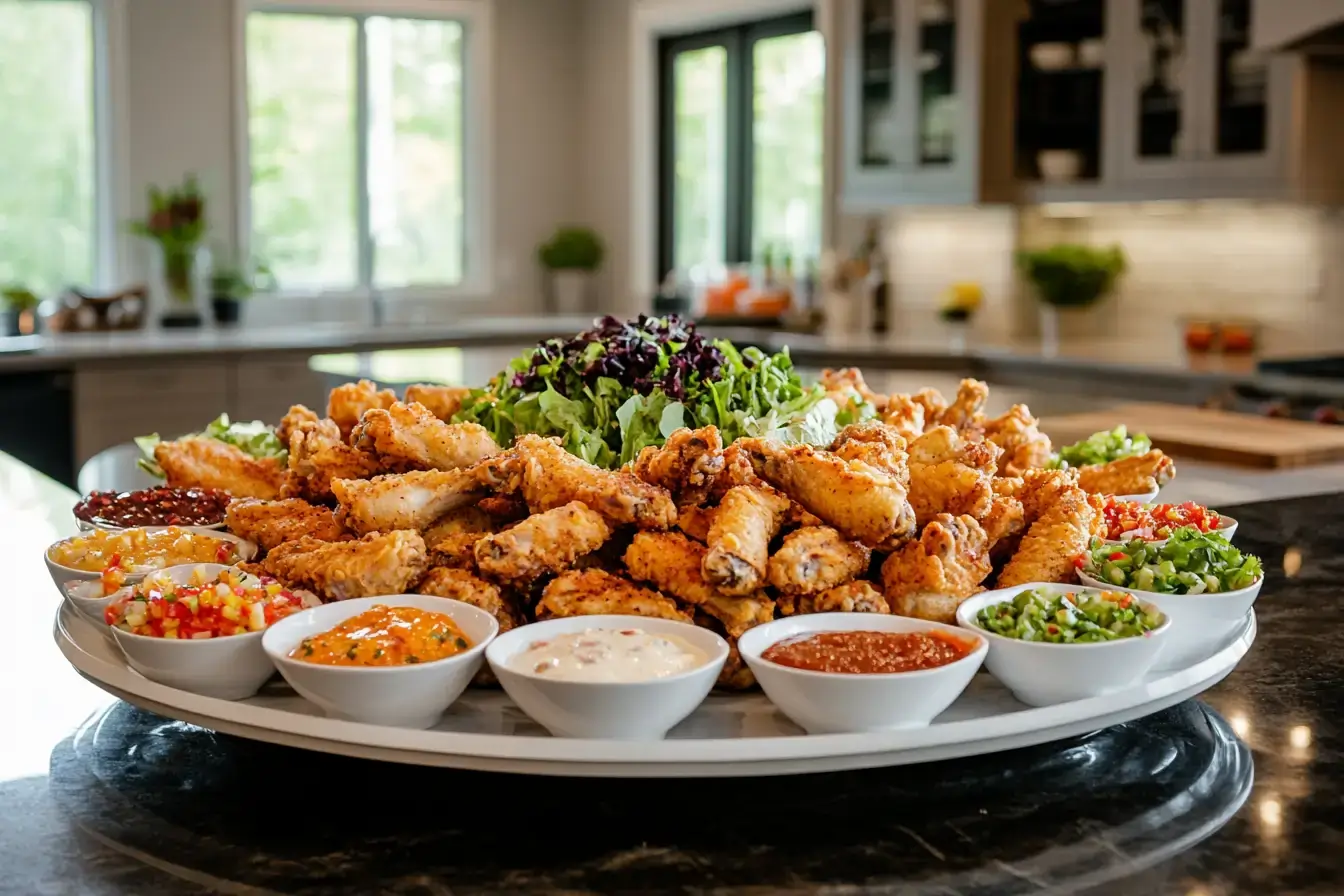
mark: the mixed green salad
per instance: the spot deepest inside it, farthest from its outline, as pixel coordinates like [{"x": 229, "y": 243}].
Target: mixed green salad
[
  {"x": 1102, "y": 447},
  {"x": 256, "y": 438},
  {"x": 1188, "y": 562},
  {"x": 1082, "y": 617},
  {"x": 622, "y": 385}
]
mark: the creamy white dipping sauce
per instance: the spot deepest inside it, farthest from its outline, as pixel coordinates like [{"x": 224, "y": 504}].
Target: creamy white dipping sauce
[{"x": 610, "y": 655}]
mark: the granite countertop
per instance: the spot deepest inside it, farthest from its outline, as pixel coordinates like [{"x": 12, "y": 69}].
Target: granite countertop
[{"x": 1238, "y": 792}]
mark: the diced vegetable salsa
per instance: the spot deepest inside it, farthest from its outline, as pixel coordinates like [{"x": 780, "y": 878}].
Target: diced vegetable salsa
[
  {"x": 1188, "y": 562},
  {"x": 1153, "y": 522},
  {"x": 1102, "y": 447},
  {"x": 232, "y": 603},
  {"x": 1080, "y": 617}
]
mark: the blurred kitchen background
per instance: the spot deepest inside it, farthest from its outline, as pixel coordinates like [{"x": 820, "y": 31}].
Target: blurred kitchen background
[{"x": 227, "y": 205}]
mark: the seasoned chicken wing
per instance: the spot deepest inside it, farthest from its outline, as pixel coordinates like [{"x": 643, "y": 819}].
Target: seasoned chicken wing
[
  {"x": 865, "y": 503},
  {"x": 875, "y": 444},
  {"x": 950, "y": 475},
  {"x": 853, "y": 597},
  {"x": 1135, "y": 475},
  {"x": 470, "y": 518},
  {"x": 455, "y": 551},
  {"x": 1024, "y": 446},
  {"x": 545, "y": 542},
  {"x": 967, "y": 409},
  {"x": 1005, "y": 519},
  {"x": 816, "y": 558},
  {"x": 737, "y": 470},
  {"x": 200, "y": 462},
  {"x": 695, "y": 521},
  {"x": 460, "y": 584},
  {"x": 847, "y": 384},
  {"x": 443, "y": 401},
  {"x": 1055, "y": 540},
  {"x": 737, "y": 614},
  {"x": 298, "y": 417},
  {"x": 552, "y": 477},
  {"x": 739, "y": 538},
  {"x": 347, "y": 403},
  {"x": 934, "y": 405},
  {"x": 905, "y": 415},
  {"x": 672, "y": 563},
  {"x": 404, "y": 500},
  {"x": 1037, "y": 489},
  {"x": 318, "y": 455},
  {"x": 381, "y": 563},
  {"x": 931, "y": 577},
  {"x": 596, "y": 592},
  {"x": 686, "y": 466},
  {"x": 409, "y": 437},
  {"x": 271, "y": 523}
]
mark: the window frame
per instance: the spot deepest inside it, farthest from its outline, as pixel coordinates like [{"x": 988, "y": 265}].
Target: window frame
[
  {"x": 738, "y": 40},
  {"x": 476, "y": 18}
]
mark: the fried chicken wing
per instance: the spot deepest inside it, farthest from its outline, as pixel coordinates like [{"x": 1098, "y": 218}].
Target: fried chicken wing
[
  {"x": 863, "y": 502},
  {"x": 454, "y": 551},
  {"x": 1037, "y": 489},
  {"x": 814, "y": 559},
  {"x": 1135, "y": 475},
  {"x": 1024, "y": 446},
  {"x": 875, "y": 444},
  {"x": 381, "y": 563},
  {"x": 931, "y": 577},
  {"x": 404, "y": 500},
  {"x": 905, "y": 415},
  {"x": 443, "y": 401},
  {"x": 552, "y": 477},
  {"x": 298, "y": 417},
  {"x": 844, "y": 385},
  {"x": 1063, "y": 530},
  {"x": 672, "y": 563},
  {"x": 470, "y": 518},
  {"x": 951, "y": 475},
  {"x": 853, "y": 597},
  {"x": 272, "y": 523},
  {"x": 934, "y": 405},
  {"x": 545, "y": 542},
  {"x": 737, "y": 614},
  {"x": 739, "y": 538},
  {"x": 686, "y": 466},
  {"x": 596, "y": 592},
  {"x": 200, "y": 462},
  {"x": 409, "y": 437},
  {"x": 318, "y": 455},
  {"x": 695, "y": 521},
  {"x": 1005, "y": 519},
  {"x": 347, "y": 403},
  {"x": 967, "y": 409},
  {"x": 460, "y": 584}
]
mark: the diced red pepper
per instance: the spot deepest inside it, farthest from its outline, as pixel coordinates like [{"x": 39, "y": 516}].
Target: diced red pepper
[{"x": 1116, "y": 555}]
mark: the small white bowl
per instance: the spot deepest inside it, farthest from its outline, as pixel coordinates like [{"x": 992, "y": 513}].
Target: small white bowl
[
  {"x": 410, "y": 696},
  {"x": 1201, "y": 621},
  {"x": 1052, "y": 57},
  {"x": 636, "y": 710},
  {"x": 232, "y": 667},
  {"x": 65, "y": 575},
  {"x": 830, "y": 702},
  {"x": 1042, "y": 674},
  {"x": 88, "y": 598},
  {"x": 1227, "y": 527}
]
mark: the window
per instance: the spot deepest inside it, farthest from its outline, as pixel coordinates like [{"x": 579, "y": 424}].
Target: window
[
  {"x": 48, "y": 204},
  {"x": 740, "y": 153},
  {"x": 357, "y": 147}
]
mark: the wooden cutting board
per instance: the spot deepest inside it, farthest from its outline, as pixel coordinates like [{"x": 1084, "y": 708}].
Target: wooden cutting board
[{"x": 1222, "y": 436}]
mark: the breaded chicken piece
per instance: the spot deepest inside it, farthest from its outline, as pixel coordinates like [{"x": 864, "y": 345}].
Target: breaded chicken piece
[
  {"x": 297, "y": 417},
  {"x": 934, "y": 405},
  {"x": 404, "y": 500},
  {"x": 596, "y": 592},
  {"x": 455, "y": 551},
  {"x": 409, "y": 437},
  {"x": 1135, "y": 475},
  {"x": 949, "y": 474},
  {"x": 1059, "y": 535},
  {"x": 847, "y": 384},
  {"x": 1005, "y": 519},
  {"x": 504, "y": 509},
  {"x": 317, "y": 455},
  {"x": 695, "y": 521},
  {"x": 1024, "y": 446},
  {"x": 470, "y": 518},
  {"x": 931, "y": 577},
  {"x": 1038, "y": 489},
  {"x": 347, "y": 403},
  {"x": 545, "y": 542},
  {"x": 865, "y": 503},
  {"x": 443, "y": 401},
  {"x": 737, "y": 470},
  {"x": 875, "y": 444},
  {"x": 271, "y": 523},
  {"x": 672, "y": 563},
  {"x": 381, "y": 563},
  {"x": 967, "y": 409},
  {"x": 200, "y": 462},
  {"x": 739, "y": 538},
  {"x": 460, "y": 584},
  {"x": 686, "y": 466},
  {"x": 816, "y": 558},
  {"x": 905, "y": 415},
  {"x": 737, "y": 614},
  {"x": 736, "y": 674},
  {"x": 552, "y": 477},
  {"x": 853, "y": 597}
]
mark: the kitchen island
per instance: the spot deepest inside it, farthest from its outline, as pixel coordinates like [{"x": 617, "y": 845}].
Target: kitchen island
[{"x": 1236, "y": 792}]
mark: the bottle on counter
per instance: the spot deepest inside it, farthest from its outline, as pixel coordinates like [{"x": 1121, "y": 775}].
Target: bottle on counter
[{"x": 875, "y": 265}]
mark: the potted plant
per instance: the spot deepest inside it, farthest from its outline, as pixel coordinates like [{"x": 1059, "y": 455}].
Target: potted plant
[
  {"x": 176, "y": 225},
  {"x": 959, "y": 303},
  {"x": 231, "y": 285},
  {"x": 1069, "y": 276},
  {"x": 20, "y": 305},
  {"x": 570, "y": 258}
]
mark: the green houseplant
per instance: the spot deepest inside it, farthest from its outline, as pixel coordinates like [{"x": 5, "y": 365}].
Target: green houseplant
[
  {"x": 18, "y": 302},
  {"x": 232, "y": 284},
  {"x": 176, "y": 224},
  {"x": 570, "y": 257},
  {"x": 1069, "y": 276}
]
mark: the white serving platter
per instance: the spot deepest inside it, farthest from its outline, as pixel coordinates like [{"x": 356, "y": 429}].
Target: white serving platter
[{"x": 728, "y": 736}]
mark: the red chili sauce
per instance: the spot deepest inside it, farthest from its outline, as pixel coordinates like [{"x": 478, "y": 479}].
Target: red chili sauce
[
  {"x": 869, "y": 653},
  {"x": 159, "y": 506}
]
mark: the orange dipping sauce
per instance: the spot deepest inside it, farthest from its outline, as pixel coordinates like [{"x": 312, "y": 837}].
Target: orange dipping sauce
[
  {"x": 385, "y": 636},
  {"x": 869, "y": 653}
]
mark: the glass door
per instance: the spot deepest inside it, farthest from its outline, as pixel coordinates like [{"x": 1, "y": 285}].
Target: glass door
[
  {"x": 1161, "y": 109},
  {"x": 878, "y": 125},
  {"x": 937, "y": 63},
  {"x": 1241, "y": 85}
]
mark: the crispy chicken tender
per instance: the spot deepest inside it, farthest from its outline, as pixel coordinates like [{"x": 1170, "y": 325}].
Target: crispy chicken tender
[
  {"x": 272, "y": 523},
  {"x": 381, "y": 563},
  {"x": 409, "y": 437},
  {"x": 200, "y": 462},
  {"x": 298, "y": 417},
  {"x": 1128, "y": 475},
  {"x": 844, "y": 385},
  {"x": 347, "y": 403},
  {"x": 1062, "y": 532},
  {"x": 404, "y": 500},
  {"x": 454, "y": 551},
  {"x": 951, "y": 475},
  {"x": 967, "y": 409},
  {"x": 816, "y": 558},
  {"x": 865, "y": 503},
  {"x": 875, "y": 444},
  {"x": 672, "y": 563},
  {"x": 552, "y": 477},
  {"x": 853, "y": 597},
  {"x": 686, "y": 465},
  {"x": 737, "y": 614},
  {"x": 443, "y": 401},
  {"x": 470, "y": 518},
  {"x": 463, "y": 585},
  {"x": 1024, "y": 446},
  {"x": 931, "y": 577},
  {"x": 317, "y": 455},
  {"x": 544, "y": 542},
  {"x": 596, "y": 592},
  {"x": 739, "y": 538},
  {"x": 905, "y": 415}
]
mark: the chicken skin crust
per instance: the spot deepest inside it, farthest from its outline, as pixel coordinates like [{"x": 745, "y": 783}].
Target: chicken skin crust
[
  {"x": 318, "y": 455},
  {"x": 949, "y": 474},
  {"x": 672, "y": 563},
  {"x": 404, "y": 500},
  {"x": 272, "y": 523},
  {"x": 410, "y": 437},
  {"x": 200, "y": 462},
  {"x": 687, "y": 465},
  {"x": 443, "y": 401},
  {"x": 1059, "y": 535},
  {"x": 596, "y": 592},
  {"x": 347, "y": 403},
  {"x": 381, "y": 563},
  {"x": 552, "y": 477},
  {"x": 1024, "y": 446},
  {"x": 814, "y": 559},
  {"x": 931, "y": 577},
  {"x": 544, "y": 542},
  {"x": 1135, "y": 475},
  {"x": 460, "y": 584},
  {"x": 739, "y": 538},
  {"x": 853, "y": 597}
]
